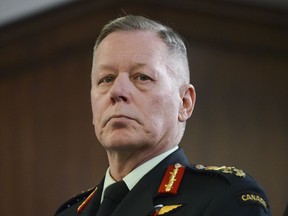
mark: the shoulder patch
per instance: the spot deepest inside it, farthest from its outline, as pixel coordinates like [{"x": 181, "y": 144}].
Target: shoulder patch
[
  {"x": 252, "y": 198},
  {"x": 77, "y": 198},
  {"x": 223, "y": 169}
]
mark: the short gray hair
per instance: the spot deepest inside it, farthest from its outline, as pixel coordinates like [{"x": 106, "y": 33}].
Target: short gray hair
[{"x": 171, "y": 38}]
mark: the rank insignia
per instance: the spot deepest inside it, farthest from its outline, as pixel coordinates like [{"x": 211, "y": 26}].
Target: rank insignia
[
  {"x": 161, "y": 210},
  {"x": 172, "y": 179},
  {"x": 224, "y": 169}
]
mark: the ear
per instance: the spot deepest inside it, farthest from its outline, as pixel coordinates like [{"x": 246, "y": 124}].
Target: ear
[{"x": 188, "y": 99}]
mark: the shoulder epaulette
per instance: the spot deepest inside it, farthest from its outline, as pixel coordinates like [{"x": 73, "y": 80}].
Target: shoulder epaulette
[
  {"x": 77, "y": 198},
  {"x": 222, "y": 169},
  {"x": 231, "y": 174}
]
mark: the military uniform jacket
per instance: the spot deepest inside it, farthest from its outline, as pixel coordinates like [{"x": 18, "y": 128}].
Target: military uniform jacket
[{"x": 200, "y": 191}]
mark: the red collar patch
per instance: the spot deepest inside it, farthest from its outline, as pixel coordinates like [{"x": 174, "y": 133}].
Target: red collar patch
[{"x": 172, "y": 179}]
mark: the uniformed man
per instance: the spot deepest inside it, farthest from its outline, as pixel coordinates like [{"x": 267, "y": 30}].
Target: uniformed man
[{"x": 141, "y": 98}]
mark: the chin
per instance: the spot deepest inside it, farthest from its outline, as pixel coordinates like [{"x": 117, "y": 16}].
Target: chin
[
  {"x": 120, "y": 146},
  {"x": 123, "y": 144},
  {"x": 123, "y": 140}
]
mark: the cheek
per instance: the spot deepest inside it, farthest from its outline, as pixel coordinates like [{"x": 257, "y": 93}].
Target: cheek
[
  {"x": 164, "y": 109},
  {"x": 96, "y": 109}
]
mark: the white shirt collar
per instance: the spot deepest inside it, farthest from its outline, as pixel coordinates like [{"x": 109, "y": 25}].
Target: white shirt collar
[{"x": 135, "y": 175}]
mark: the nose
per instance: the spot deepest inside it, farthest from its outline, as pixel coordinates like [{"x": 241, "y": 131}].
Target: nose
[{"x": 120, "y": 90}]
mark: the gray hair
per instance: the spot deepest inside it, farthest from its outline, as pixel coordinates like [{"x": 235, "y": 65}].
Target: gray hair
[{"x": 172, "y": 39}]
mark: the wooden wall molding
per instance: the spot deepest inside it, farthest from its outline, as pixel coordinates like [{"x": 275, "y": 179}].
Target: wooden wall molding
[{"x": 74, "y": 27}]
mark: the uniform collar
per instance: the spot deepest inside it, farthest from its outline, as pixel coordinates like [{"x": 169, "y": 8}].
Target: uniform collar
[{"x": 135, "y": 175}]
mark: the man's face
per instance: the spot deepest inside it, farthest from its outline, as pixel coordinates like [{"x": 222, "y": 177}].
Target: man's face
[{"x": 135, "y": 102}]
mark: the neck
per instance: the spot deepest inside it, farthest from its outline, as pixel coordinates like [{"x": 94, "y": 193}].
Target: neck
[{"x": 123, "y": 162}]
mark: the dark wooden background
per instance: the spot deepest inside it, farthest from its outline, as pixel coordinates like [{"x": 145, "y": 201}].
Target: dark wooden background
[{"x": 239, "y": 66}]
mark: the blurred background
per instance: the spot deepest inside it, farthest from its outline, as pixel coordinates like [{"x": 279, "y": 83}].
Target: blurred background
[{"x": 238, "y": 54}]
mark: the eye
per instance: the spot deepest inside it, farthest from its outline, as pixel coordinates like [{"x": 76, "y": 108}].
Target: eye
[
  {"x": 106, "y": 79},
  {"x": 143, "y": 77}
]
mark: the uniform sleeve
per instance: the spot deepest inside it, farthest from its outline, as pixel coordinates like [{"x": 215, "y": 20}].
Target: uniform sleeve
[{"x": 242, "y": 199}]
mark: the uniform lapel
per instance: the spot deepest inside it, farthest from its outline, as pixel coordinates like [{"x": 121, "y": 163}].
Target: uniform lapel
[{"x": 93, "y": 205}]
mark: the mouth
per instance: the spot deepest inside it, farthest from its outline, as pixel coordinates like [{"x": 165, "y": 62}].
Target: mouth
[{"x": 118, "y": 117}]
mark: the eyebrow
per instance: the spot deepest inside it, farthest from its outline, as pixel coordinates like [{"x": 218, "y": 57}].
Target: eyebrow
[
  {"x": 105, "y": 67},
  {"x": 111, "y": 68}
]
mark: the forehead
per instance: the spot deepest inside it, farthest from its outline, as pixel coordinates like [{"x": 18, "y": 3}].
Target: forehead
[{"x": 131, "y": 44}]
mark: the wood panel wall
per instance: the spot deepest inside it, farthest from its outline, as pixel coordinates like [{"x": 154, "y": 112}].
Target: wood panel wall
[{"x": 238, "y": 59}]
